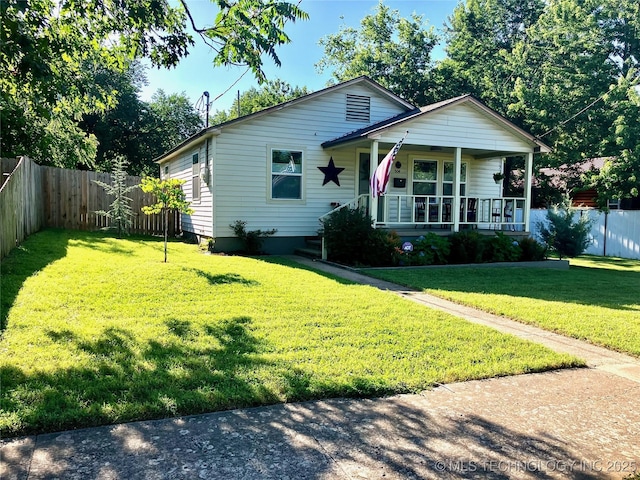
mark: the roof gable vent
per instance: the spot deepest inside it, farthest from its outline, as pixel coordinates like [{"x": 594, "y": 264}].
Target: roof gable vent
[{"x": 358, "y": 108}]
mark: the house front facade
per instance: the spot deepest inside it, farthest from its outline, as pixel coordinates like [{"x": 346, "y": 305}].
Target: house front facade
[{"x": 288, "y": 166}]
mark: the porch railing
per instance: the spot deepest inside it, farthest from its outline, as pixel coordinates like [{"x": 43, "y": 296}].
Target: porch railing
[{"x": 395, "y": 210}]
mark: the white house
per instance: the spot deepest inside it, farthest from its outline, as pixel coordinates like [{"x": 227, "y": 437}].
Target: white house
[{"x": 289, "y": 165}]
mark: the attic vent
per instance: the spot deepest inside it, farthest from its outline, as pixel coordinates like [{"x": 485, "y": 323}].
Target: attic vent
[{"x": 358, "y": 108}]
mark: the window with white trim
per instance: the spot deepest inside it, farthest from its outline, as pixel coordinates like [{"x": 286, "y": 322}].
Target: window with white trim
[
  {"x": 425, "y": 177},
  {"x": 195, "y": 177},
  {"x": 448, "y": 176},
  {"x": 286, "y": 174}
]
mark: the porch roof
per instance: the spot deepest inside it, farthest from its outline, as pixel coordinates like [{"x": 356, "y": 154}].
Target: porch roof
[{"x": 378, "y": 128}]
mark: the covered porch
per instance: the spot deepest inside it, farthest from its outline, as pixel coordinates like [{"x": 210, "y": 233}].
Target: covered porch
[
  {"x": 449, "y": 174},
  {"x": 403, "y": 212}
]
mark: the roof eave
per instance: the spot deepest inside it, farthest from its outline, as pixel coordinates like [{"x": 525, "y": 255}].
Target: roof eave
[{"x": 187, "y": 144}]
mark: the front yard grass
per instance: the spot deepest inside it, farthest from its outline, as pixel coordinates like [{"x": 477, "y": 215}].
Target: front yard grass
[
  {"x": 99, "y": 330},
  {"x": 597, "y": 299}
]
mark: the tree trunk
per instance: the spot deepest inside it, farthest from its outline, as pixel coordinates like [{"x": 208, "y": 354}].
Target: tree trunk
[{"x": 165, "y": 221}]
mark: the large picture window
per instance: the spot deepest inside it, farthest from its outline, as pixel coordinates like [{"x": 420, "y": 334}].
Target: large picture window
[{"x": 286, "y": 174}]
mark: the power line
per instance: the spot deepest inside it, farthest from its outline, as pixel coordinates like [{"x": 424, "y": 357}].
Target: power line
[{"x": 561, "y": 124}]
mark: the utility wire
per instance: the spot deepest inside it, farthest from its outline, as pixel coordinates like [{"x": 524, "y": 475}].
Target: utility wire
[
  {"x": 232, "y": 85},
  {"x": 561, "y": 124}
]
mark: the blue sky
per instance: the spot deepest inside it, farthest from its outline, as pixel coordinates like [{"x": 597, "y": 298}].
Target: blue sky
[{"x": 196, "y": 73}]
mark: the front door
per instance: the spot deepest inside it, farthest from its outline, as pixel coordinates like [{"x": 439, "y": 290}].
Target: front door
[{"x": 364, "y": 180}]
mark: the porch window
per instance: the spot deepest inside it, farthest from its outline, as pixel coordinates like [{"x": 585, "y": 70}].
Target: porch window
[
  {"x": 425, "y": 177},
  {"x": 286, "y": 174},
  {"x": 448, "y": 176},
  {"x": 195, "y": 177}
]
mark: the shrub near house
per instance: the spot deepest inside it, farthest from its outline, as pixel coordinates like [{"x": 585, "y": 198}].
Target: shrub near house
[{"x": 351, "y": 239}]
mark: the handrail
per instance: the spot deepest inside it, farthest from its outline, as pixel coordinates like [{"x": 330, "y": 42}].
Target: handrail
[
  {"x": 355, "y": 201},
  {"x": 434, "y": 210}
]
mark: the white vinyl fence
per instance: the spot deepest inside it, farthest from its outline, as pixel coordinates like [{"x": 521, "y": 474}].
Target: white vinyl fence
[{"x": 616, "y": 234}]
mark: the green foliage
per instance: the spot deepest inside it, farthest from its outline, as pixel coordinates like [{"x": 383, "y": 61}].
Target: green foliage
[
  {"x": 380, "y": 249},
  {"x": 252, "y": 239},
  {"x": 350, "y": 238},
  {"x": 138, "y": 130},
  {"x": 620, "y": 176},
  {"x": 532, "y": 250},
  {"x": 51, "y": 53},
  {"x": 120, "y": 212},
  {"x": 501, "y": 248},
  {"x": 394, "y": 51},
  {"x": 429, "y": 249},
  {"x": 253, "y": 100},
  {"x": 467, "y": 246},
  {"x": 563, "y": 233},
  {"x": 170, "y": 196}
]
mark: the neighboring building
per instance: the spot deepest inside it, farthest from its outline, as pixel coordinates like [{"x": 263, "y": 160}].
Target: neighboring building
[
  {"x": 289, "y": 165},
  {"x": 567, "y": 179}
]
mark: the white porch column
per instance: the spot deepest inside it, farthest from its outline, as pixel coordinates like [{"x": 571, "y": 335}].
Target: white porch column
[
  {"x": 528, "y": 177},
  {"x": 373, "y": 164},
  {"x": 457, "y": 170}
]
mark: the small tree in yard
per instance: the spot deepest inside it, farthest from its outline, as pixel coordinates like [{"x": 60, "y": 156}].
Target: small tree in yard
[
  {"x": 562, "y": 233},
  {"x": 170, "y": 197},
  {"x": 120, "y": 212}
]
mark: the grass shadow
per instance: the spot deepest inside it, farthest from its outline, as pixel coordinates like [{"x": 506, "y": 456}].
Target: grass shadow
[
  {"x": 286, "y": 262},
  {"x": 222, "y": 279},
  {"x": 37, "y": 251},
  {"x": 189, "y": 370},
  {"x": 580, "y": 285}
]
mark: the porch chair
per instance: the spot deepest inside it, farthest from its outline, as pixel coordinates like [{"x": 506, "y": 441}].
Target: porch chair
[
  {"x": 472, "y": 213},
  {"x": 420, "y": 210},
  {"x": 508, "y": 213}
]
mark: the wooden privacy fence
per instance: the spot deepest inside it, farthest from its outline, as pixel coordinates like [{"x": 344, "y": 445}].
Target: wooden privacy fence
[
  {"x": 34, "y": 197},
  {"x": 21, "y": 202}
]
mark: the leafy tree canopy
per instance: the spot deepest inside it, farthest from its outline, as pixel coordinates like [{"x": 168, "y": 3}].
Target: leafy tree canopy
[
  {"x": 394, "y": 51},
  {"x": 51, "y": 52},
  {"x": 272, "y": 92}
]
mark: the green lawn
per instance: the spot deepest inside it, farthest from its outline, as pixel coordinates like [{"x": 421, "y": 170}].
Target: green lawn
[
  {"x": 597, "y": 299},
  {"x": 99, "y": 330}
]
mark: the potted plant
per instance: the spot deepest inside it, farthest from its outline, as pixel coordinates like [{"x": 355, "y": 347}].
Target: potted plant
[{"x": 498, "y": 177}]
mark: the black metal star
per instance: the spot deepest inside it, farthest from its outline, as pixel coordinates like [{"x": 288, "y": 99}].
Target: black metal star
[{"x": 331, "y": 173}]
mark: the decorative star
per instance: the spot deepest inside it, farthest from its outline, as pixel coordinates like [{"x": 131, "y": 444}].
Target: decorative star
[{"x": 331, "y": 173}]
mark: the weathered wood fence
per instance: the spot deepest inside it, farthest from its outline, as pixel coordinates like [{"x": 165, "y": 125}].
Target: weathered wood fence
[
  {"x": 21, "y": 202},
  {"x": 33, "y": 197}
]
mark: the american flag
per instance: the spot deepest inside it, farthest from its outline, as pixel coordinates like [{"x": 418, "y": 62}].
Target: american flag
[
  {"x": 291, "y": 167},
  {"x": 380, "y": 179}
]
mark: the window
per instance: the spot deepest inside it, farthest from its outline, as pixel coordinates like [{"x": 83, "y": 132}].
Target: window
[
  {"x": 425, "y": 177},
  {"x": 286, "y": 174},
  {"x": 358, "y": 108},
  {"x": 447, "y": 179},
  {"x": 195, "y": 177},
  {"x": 166, "y": 169}
]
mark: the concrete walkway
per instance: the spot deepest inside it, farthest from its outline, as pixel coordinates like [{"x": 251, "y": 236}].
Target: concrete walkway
[{"x": 581, "y": 423}]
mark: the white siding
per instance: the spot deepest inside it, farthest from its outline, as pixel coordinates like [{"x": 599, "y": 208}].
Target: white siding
[
  {"x": 480, "y": 181},
  {"x": 242, "y": 166},
  {"x": 200, "y": 222},
  {"x": 459, "y": 126}
]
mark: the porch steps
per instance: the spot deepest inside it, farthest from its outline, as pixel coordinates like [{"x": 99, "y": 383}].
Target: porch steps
[{"x": 312, "y": 248}]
